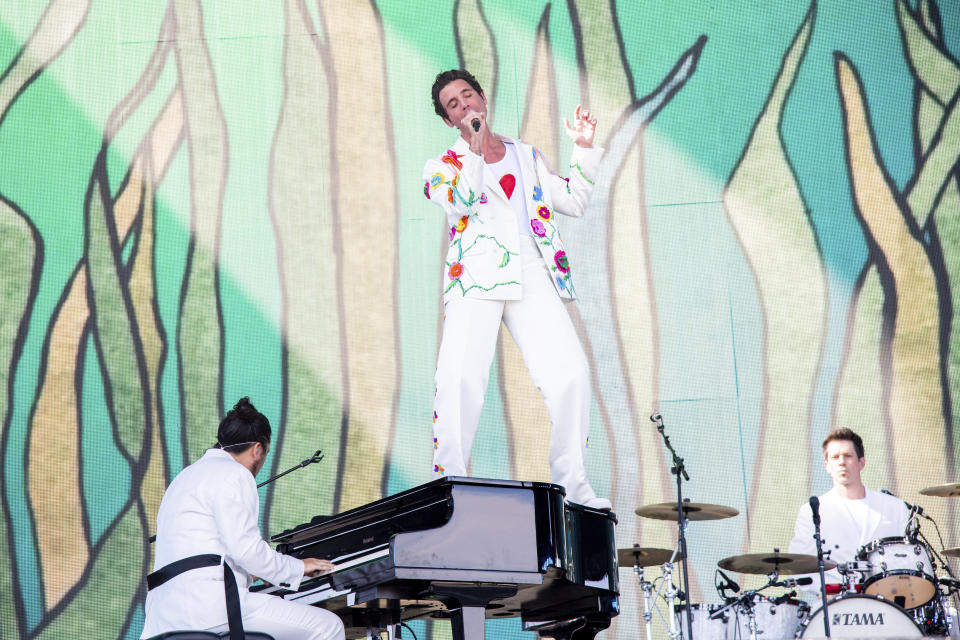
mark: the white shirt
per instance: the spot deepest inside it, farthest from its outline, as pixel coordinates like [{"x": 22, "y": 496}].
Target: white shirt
[
  {"x": 847, "y": 525},
  {"x": 212, "y": 506},
  {"x": 518, "y": 201}
]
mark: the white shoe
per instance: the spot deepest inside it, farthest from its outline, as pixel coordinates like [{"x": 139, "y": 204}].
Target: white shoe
[{"x": 601, "y": 504}]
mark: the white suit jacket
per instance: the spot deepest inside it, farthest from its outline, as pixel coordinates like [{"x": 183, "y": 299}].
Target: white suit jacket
[
  {"x": 212, "y": 506},
  {"x": 484, "y": 239},
  {"x": 842, "y": 534}
]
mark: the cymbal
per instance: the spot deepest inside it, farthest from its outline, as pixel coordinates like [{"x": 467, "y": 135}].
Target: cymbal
[
  {"x": 784, "y": 563},
  {"x": 953, "y": 552},
  {"x": 949, "y": 490},
  {"x": 691, "y": 511},
  {"x": 638, "y": 556}
]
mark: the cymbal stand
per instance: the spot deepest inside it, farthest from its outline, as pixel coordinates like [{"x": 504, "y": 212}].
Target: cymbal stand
[
  {"x": 678, "y": 469},
  {"x": 646, "y": 588},
  {"x": 671, "y": 595}
]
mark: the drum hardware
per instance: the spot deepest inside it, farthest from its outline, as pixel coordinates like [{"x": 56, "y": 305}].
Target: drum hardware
[
  {"x": 685, "y": 511},
  {"x": 639, "y": 557},
  {"x": 852, "y": 574},
  {"x": 745, "y": 605}
]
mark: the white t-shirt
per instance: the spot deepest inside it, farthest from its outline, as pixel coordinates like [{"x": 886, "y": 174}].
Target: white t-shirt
[{"x": 510, "y": 164}]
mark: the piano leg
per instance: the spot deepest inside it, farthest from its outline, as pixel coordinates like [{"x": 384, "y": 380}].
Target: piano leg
[
  {"x": 583, "y": 628},
  {"x": 393, "y": 632},
  {"x": 468, "y": 602},
  {"x": 467, "y": 623}
]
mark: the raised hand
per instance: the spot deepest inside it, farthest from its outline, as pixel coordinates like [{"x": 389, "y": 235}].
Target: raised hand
[{"x": 583, "y": 127}]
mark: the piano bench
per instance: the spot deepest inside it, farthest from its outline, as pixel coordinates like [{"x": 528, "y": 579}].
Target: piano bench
[{"x": 208, "y": 635}]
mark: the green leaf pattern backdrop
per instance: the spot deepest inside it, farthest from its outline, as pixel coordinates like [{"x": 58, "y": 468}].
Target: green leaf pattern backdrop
[{"x": 202, "y": 199}]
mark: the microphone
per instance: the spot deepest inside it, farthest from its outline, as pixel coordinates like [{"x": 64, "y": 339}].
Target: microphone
[
  {"x": 815, "y": 507},
  {"x": 733, "y": 586},
  {"x": 475, "y": 123},
  {"x": 915, "y": 508},
  {"x": 655, "y": 417},
  {"x": 794, "y": 582}
]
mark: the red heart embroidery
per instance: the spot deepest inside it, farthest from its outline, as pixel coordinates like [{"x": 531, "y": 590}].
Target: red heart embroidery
[{"x": 507, "y": 183}]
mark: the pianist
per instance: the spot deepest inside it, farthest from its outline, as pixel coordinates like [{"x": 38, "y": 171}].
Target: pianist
[
  {"x": 209, "y": 544},
  {"x": 506, "y": 262}
]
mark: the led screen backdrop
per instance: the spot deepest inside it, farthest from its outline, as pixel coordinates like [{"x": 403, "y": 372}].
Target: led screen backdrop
[{"x": 201, "y": 200}]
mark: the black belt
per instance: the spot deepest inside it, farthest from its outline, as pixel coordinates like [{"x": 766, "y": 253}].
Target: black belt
[{"x": 230, "y": 591}]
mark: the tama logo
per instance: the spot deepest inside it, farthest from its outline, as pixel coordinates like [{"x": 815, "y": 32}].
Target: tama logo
[{"x": 857, "y": 619}]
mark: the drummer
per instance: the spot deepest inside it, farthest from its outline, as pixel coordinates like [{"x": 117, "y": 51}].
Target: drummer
[{"x": 851, "y": 514}]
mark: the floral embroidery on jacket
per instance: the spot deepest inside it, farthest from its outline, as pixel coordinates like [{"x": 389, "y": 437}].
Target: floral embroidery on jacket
[
  {"x": 453, "y": 159},
  {"x": 538, "y": 229},
  {"x": 544, "y": 212},
  {"x": 462, "y": 223},
  {"x": 426, "y": 189},
  {"x": 560, "y": 258},
  {"x": 537, "y": 193},
  {"x": 456, "y": 270}
]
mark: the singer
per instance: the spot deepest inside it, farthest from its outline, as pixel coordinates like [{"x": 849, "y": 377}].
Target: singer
[
  {"x": 208, "y": 543},
  {"x": 851, "y": 514},
  {"x": 506, "y": 262}
]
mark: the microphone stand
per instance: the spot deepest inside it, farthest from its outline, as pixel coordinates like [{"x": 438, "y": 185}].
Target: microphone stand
[
  {"x": 815, "y": 508},
  {"x": 317, "y": 457},
  {"x": 678, "y": 469}
]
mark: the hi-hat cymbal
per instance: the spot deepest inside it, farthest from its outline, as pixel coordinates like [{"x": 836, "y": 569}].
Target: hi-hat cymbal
[
  {"x": 783, "y": 563},
  {"x": 953, "y": 552},
  {"x": 949, "y": 490},
  {"x": 638, "y": 556},
  {"x": 691, "y": 511}
]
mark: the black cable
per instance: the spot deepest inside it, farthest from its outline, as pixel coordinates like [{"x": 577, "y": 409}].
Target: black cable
[{"x": 404, "y": 624}]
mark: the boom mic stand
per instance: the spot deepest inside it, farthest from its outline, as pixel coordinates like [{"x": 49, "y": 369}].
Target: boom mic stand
[
  {"x": 317, "y": 457},
  {"x": 680, "y": 471},
  {"x": 815, "y": 508}
]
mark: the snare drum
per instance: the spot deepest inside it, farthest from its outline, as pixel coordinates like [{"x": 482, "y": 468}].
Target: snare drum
[
  {"x": 703, "y": 626},
  {"x": 774, "y": 621},
  {"x": 861, "y": 616},
  {"x": 900, "y": 571}
]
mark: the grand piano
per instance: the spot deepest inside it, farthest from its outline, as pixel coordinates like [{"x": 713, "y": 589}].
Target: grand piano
[{"x": 466, "y": 549}]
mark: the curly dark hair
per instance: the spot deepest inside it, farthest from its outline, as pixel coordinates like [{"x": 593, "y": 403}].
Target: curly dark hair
[{"x": 443, "y": 79}]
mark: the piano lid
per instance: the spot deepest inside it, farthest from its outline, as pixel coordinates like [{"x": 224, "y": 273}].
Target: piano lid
[{"x": 399, "y": 512}]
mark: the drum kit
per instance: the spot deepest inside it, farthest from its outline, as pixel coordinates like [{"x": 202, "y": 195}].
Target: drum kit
[{"x": 890, "y": 590}]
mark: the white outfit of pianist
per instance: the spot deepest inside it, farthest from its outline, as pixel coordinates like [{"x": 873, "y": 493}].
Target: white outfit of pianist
[{"x": 212, "y": 507}]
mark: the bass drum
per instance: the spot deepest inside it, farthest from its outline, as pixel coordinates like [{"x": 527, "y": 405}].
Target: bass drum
[{"x": 861, "y": 616}]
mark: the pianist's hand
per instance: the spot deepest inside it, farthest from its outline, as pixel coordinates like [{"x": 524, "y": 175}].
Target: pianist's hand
[{"x": 315, "y": 566}]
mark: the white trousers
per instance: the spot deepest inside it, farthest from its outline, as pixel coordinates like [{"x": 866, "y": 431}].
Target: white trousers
[
  {"x": 548, "y": 342},
  {"x": 285, "y": 620}
]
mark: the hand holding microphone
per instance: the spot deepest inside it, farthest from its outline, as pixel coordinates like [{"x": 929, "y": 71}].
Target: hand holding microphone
[{"x": 477, "y": 123}]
